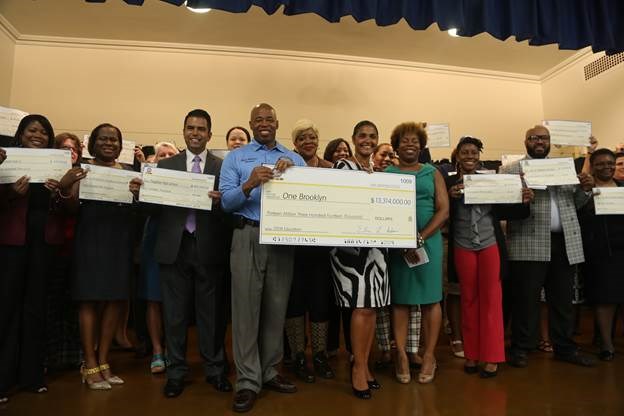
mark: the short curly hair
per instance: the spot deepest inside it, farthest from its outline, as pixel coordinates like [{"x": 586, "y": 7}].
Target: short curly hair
[{"x": 408, "y": 128}]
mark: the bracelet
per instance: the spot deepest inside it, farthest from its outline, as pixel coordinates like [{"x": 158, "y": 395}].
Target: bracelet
[
  {"x": 420, "y": 241},
  {"x": 60, "y": 193}
]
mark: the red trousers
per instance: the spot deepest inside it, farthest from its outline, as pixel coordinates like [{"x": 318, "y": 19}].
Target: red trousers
[{"x": 481, "y": 303}]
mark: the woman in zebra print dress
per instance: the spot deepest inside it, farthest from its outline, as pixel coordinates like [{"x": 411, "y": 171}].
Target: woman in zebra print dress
[{"x": 361, "y": 275}]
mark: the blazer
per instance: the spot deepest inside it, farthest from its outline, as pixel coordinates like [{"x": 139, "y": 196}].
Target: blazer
[
  {"x": 529, "y": 239},
  {"x": 14, "y": 215},
  {"x": 499, "y": 212},
  {"x": 213, "y": 230}
]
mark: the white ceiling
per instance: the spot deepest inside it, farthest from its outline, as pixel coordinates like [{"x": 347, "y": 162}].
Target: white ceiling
[{"x": 157, "y": 21}]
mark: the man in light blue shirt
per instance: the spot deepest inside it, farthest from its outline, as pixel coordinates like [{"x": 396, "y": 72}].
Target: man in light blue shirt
[{"x": 261, "y": 274}]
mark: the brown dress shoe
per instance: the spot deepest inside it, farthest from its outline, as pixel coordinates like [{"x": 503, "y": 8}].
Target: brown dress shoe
[
  {"x": 244, "y": 400},
  {"x": 280, "y": 384}
]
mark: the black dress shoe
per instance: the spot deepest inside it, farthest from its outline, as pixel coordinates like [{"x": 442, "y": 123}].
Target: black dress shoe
[
  {"x": 362, "y": 394},
  {"x": 300, "y": 368},
  {"x": 606, "y": 355},
  {"x": 576, "y": 358},
  {"x": 280, "y": 385},
  {"x": 471, "y": 369},
  {"x": 321, "y": 366},
  {"x": 173, "y": 388},
  {"x": 518, "y": 360},
  {"x": 244, "y": 400},
  {"x": 483, "y": 373},
  {"x": 220, "y": 382},
  {"x": 374, "y": 384}
]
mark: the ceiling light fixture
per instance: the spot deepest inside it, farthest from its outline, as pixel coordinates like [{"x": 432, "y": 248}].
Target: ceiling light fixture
[
  {"x": 197, "y": 10},
  {"x": 453, "y": 33}
]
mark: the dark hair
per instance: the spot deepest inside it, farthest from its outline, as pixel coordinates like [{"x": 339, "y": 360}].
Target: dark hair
[
  {"x": 619, "y": 155},
  {"x": 60, "y": 139},
  {"x": 364, "y": 123},
  {"x": 379, "y": 146},
  {"x": 227, "y": 135},
  {"x": 600, "y": 152},
  {"x": 199, "y": 113},
  {"x": 406, "y": 128},
  {"x": 464, "y": 140},
  {"x": 25, "y": 122},
  {"x": 331, "y": 147},
  {"x": 93, "y": 136}
]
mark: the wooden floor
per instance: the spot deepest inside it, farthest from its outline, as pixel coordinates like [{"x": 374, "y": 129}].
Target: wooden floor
[{"x": 546, "y": 387}]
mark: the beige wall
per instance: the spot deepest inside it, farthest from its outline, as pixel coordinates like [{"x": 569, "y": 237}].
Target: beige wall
[
  {"x": 567, "y": 95},
  {"x": 7, "y": 51},
  {"x": 148, "y": 92}
]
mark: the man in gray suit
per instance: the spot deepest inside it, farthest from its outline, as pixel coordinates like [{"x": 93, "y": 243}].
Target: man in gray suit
[
  {"x": 544, "y": 250},
  {"x": 191, "y": 249}
]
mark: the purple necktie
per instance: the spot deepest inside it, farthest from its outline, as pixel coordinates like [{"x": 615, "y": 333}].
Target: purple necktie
[{"x": 190, "y": 219}]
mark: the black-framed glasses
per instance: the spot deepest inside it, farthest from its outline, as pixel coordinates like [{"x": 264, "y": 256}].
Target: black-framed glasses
[{"x": 534, "y": 138}]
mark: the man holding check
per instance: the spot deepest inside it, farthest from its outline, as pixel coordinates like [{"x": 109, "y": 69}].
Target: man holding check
[
  {"x": 261, "y": 274},
  {"x": 544, "y": 250},
  {"x": 191, "y": 248}
]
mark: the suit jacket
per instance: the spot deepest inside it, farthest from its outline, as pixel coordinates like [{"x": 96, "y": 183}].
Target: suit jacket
[
  {"x": 499, "y": 212},
  {"x": 212, "y": 227},
  {"x": 529, "y": 239},
  {"x": 14, "y": 215}
]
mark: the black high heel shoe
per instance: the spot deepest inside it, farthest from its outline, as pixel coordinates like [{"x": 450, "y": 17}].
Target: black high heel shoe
[
  {"x": 373, "y": 384},
  {"x": 361, "y": 394}
]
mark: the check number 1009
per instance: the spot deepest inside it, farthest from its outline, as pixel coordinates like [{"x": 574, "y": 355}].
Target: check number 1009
[{"x": 384, "y": 200}]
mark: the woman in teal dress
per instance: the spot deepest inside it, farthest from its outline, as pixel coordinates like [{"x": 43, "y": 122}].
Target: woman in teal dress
[{"x": 419, "y": 285}]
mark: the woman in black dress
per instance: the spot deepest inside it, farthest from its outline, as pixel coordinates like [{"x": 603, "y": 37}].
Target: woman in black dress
[
  {"x": 603, "y": 240},
  {"x": 102, "y": 261}
]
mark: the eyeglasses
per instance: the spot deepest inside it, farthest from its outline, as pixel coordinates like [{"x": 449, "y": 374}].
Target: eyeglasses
[{"x": 535, "y": 138}]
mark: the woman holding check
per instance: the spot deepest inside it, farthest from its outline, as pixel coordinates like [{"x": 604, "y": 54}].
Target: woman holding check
[
  {"x": 31, "y": 233},
  {"x": 102, "y": 260},
  {"x": 477, "y": 254},
  {"x": 420, "y": 285}
]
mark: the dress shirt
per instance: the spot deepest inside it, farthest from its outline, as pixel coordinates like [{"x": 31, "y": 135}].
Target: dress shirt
[
  {"x": 236, "y": 170},
  {"x": 555, "y": 218},
  {"x": 189, "y": 160}
]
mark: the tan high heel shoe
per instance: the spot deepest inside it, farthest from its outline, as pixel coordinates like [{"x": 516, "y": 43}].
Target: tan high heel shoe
[
  {"x": 93, "y": 385},
  {"x": 114, "y": 380},
  {"x": 427, "y": 378},
  {"x": 403, "y": 378}
]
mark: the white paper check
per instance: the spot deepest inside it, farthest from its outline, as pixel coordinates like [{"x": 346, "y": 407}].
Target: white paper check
[
  {"x": 509, "y": 159},
  {"x": 539, "y": 173},
  {"x": 438, "y": 135},
  {"x": 177, "y": 188},
  {"x": 423, "y": 258},
  {"x": 609, "y": 201},
  {"x": 9, "y": 120},
  {"x": 127, "y": 152},
  {"x": 569, "y": 133},
  {"x": 331, "y": 207},
  {"x": 106, "y": 184},
  {"x": 39, "y": 164},
  {"x": 492, "y": 189}
]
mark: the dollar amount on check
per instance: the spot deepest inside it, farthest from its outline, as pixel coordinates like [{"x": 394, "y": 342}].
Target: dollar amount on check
[{"x": 327, "y": 207}]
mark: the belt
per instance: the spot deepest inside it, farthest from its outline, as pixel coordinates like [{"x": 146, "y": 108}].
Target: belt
[{"x": 241, "y": 221}]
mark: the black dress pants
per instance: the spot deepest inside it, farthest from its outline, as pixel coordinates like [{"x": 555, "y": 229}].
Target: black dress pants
[
  {"x": 24, "y": 272},
  {"x": 311, "y": 286},
  {"x": 189, "y": 283},
  {"x": 557, "y": 278}
]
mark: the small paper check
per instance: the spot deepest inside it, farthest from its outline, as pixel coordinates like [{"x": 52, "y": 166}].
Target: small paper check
[
  {"x": 330, "y": 207},
  {"x": 438, "y": 135},
  {"x": 609, "y": 201},
  {"x": 39, "y": 164},
  {"x": 569, "y": 133},
  {"x": 540, "y": 173},
  {"x": 177, "y": 188},
  {"x": 492, "y": 189},
  {"x": 106, "y": 184}
]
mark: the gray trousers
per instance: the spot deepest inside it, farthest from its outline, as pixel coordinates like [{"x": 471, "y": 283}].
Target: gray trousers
[{"x": 261, "y": 280}]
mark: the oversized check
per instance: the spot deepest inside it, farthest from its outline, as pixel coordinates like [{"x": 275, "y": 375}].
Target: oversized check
[
  {"x": 510, "y": 158},
  {"x": 438, "y": 135},
  {"x": 492, "y": 189},
  {"x": 330, "y": 207},
  {"x": 609, "y": 201},
  {"x": 549, "y": 172},
  {"x": 569, "y": 133},
  {"x": 127, "y": 152},
  {"x": 106, "y": 184},
  {"x": 39, "y": 164},
  {"x": 9, "y": 120},
  {"x": 177, "y": 188}
]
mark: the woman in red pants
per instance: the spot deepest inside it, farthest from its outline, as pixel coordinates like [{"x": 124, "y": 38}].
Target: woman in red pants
[{"x": 477, "y": 254}]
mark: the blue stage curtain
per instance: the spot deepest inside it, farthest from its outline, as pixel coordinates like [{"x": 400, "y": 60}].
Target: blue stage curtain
[{"x": 572, "y": 24}]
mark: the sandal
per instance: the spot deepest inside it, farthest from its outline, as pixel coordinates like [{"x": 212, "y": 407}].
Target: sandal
[
  {"x": 545, "y": 346},
  {"x": 457, "y": 348},
  {"x": 157, "y": 366}
]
